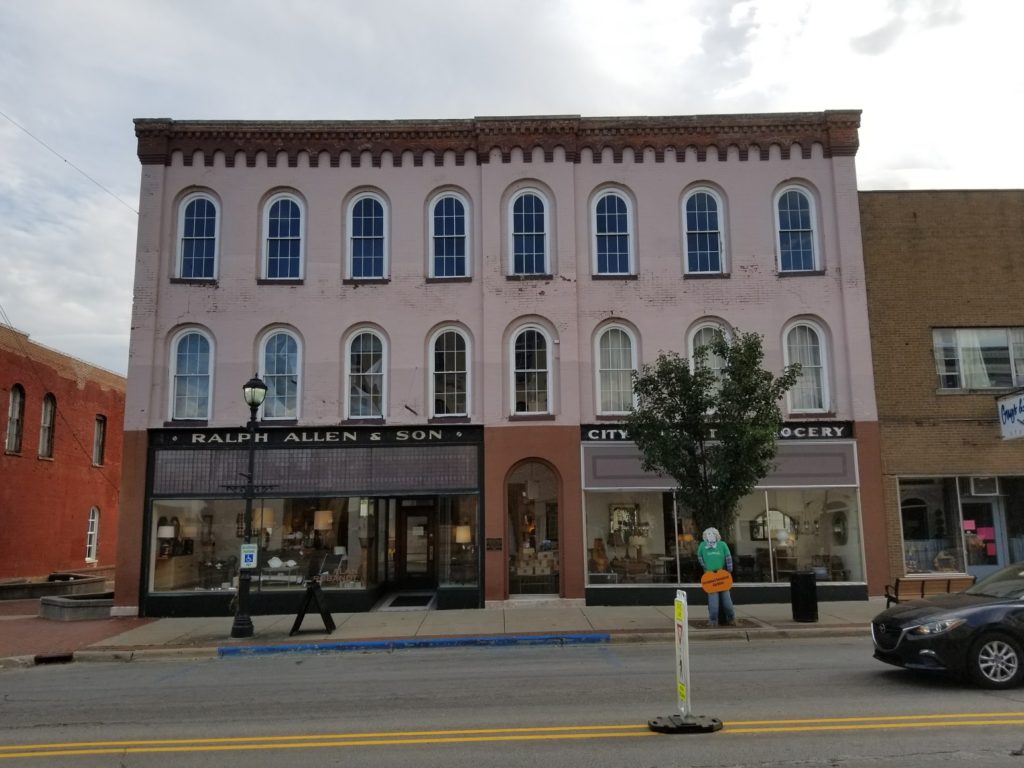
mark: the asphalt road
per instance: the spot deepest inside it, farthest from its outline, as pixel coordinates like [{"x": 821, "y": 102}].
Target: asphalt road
[{"x": 793, "y": 702}]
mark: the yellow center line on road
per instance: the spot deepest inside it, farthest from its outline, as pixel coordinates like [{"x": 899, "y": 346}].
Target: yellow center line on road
[{"x": 478, "y": 735}]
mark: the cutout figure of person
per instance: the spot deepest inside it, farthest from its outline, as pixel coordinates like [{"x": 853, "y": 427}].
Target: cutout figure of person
[{"x": 713, "y": 555}]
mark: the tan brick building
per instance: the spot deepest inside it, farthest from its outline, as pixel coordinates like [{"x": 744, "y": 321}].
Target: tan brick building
[{"x": 945, "y": 273}]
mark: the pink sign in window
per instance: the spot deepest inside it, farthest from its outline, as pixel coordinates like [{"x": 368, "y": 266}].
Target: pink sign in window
[{"x": 988, "y": 534}]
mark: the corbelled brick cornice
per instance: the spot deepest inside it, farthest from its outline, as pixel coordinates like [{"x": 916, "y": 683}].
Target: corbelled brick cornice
[{"x": 159, "y": 138}]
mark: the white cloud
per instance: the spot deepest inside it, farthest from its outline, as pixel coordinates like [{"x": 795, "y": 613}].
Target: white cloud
[{"x": 935, "y": 79}]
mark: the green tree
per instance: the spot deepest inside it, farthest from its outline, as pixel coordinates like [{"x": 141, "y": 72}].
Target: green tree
[{"x": 711, "y": 426}]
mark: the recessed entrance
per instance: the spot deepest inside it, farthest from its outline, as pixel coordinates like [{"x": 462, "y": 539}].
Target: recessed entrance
[
  {"x": 416, "y": 530},
  {"x": 533, "y": 526}
]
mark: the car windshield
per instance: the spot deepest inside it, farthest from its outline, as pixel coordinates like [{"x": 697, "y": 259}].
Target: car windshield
[{"x": 1007, "y": 583}]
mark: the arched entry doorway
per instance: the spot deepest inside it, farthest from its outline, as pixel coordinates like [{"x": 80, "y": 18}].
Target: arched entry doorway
[{"x": 533, "y": 563}]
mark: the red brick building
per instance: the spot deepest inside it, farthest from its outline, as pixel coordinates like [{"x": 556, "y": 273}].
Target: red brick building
[{"x": 60, "y": 470}]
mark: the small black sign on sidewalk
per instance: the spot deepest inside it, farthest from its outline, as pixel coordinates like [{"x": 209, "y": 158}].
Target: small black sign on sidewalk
[{"x": 313, "y": 595}]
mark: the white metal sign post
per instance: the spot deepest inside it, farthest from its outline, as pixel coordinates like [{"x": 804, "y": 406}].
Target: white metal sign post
[{"x": 685, "y": 722}]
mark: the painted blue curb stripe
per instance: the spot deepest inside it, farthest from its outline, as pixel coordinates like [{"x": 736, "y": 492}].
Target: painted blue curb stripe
[{"x": 425, "y": 642}]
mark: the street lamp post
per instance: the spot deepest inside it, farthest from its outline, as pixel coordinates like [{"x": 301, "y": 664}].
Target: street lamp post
[{"x": 253, "y": 392}]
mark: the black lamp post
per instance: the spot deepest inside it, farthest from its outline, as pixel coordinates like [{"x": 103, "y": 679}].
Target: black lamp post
[{"x": 253, "y": 392}]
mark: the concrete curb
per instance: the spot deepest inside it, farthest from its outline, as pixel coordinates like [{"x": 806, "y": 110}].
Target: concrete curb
[{"x": 15, "y": 662}]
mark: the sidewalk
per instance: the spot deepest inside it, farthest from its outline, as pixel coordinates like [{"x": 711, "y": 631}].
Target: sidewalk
[{"x": 26, "y": 639}]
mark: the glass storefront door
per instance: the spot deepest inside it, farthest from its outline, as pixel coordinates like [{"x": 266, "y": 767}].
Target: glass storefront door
[
  {"x": 984, "y": 537},
  {"x": 414, "y": 565}
]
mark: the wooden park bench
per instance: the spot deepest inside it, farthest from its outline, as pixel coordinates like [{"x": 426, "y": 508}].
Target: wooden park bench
[{"x": 916, "y": 587}]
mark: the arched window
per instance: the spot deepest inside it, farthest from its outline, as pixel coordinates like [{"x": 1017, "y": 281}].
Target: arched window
[
  {"x": 705, "y": 336},
  {"x": 366, "y": 380},
  {"x": 191, "y": 373},
  {"x": 46, "y": 426},
  {"x": 197, "y": 251},
  {"x": 92, "y": 536},
  {"x": 531, "y": 367},
  {"x": 703, "y": 241},
  {"x": 99, "y": 440},
  {"x": 281, "y": 367},
  {"x": 795, "y": 219},
  {"x": 612, "y": 235},
  {"x": 805, "y": 345},
  {"x": 368, "y": 240},
  {"x": 15, "y": 419},
  {"x": 529, "y": 234},
  {"x": 616, "y": 361},
  {"x": 449, "y": 241},
  {"x": 282, "y": 244},
  {"x": 450, "y": 374}
]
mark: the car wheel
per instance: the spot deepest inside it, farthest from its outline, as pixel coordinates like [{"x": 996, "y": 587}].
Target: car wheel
[{"x": 996, "y": 661}]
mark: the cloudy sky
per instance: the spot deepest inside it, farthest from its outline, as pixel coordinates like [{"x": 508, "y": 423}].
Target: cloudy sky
[{"x": 935, "y": 80}]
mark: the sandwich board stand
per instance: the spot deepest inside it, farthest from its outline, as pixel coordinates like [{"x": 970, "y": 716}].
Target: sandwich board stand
[
  {"x": 314, "y": 594},
  {"x": 686, "y": 721}
]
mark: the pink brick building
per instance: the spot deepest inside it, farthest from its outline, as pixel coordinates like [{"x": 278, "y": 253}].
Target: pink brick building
[{"x": 446, "y": 313}]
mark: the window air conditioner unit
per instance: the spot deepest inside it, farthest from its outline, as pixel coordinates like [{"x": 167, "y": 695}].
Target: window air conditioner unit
[{"x": 984, "y": 486}]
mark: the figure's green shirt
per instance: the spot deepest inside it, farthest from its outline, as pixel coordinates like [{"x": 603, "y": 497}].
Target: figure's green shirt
[{"x": 713, "y": 559}]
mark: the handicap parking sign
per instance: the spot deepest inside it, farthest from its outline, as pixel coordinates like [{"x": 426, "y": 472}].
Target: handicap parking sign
[{"x": 248, "y": 556}]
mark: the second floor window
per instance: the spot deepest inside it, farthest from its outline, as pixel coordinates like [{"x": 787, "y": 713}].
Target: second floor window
[
  {"x": 529, "y": 235},
  {"x": 796, "y": 232},
  {"x": 705, "y": 336},
  {"x": 92, "y": 536},
  {"x": 284, "y": 240},
  {"x": 450, "y": 379},
  {"x": 366, "y": 376},
  {"x": 15, "y": 419},
  {"x": 367, "y": 242},
  {"x": 198, "y": 247},
  {"x": 191, "y": 388},
  {"x": 703, "y": 234},
  {"x": 47, "y": 425},
  {"x": 979, "y": 358},
  {"x": 612, "y": 235},
  {"x": 804, "y": 346},
  {"x": 531, "y": 366},
  {"x": 99, "y": 441},
  {"x": 281, "y": 375},
  {"x": 615, "y": 365},
  {"x": 448, "y": 237}
]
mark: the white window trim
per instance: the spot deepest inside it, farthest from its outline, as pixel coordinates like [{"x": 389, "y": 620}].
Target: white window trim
[
  {"x": 958, "y": 331},
  {"x": 262, "y": 367},
  {"x": 826, "y": 392},
  {"x": 386, "y": 271},
  {"x": 469, "y": 371},
  {"x": 548, "y": 362},
  {"x": 178, "y": 272},
  {"x": 92, "y": 536},
  {"x": 548, "y": 221},
  {"x": 15, "y": 428},
  {"x": 48, "y": 431},
  {"x": 812, "y": 203},
  {"x": 725, "y": 330},
  {"x": 723, "y": 266},
  {"x": 173, "y": 370},
  {"x": 99, "y": 440},
  {"x": 633, "y": 361},
  {"x": 346, "y": 393},
  {"x": 599, "y": 195},
  {"x": 468, "y": 236},
  {"x": 265, "y": 270}
]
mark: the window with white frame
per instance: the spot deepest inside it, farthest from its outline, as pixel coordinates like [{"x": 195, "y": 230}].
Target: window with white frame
[
  {"x": 796, "y": 230},
  {"x": 613, "y": 235},
  {"x": 979, "y": 358},
  {"x": 366, "y": 381},
  {"x": 15, "y": 419},
  {"x": 99, "y": 440},
  {"x": 368, "y": 239},
  {"x": 531, "y": 372},
  {"x": 282, "y": 244},
  {"x": 703, "y": 224},
  {"x": 191, "y": 366},
  {"x": 92, "y": 536},
  {"x": 280, "y": 366},
  {"x": 450, "y": 374},
  {"x": 448, "y": 237},
  {"x": 529, "y": 234},
  {"x": 804, "y": 344},
  {"x": 704, "y": 336},
  {"x": 616, "y": 361},
  {"x": 197, "y": 247},
  {"x": 47, "y": 425}
]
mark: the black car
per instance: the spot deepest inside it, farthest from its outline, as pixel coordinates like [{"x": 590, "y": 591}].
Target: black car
[{"x": 978, "y": 633}]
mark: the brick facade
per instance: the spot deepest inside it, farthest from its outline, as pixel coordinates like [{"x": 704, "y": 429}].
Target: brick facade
[{"x": 45, "y": 502}]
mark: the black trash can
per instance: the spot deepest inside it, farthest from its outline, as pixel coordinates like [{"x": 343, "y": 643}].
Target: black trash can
[{"x": 803, "y": 593}]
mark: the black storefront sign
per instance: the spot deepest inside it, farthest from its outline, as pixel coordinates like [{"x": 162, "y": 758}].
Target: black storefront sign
[
  {"x": 308, "y": 437},
  {"x": 791, "y": 430}
]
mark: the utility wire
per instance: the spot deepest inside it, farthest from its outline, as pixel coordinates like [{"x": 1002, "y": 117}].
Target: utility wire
[{"x": 58, "y": 154}]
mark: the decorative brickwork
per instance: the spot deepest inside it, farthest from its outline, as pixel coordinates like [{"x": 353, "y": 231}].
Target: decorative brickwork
[{"x": 835, "y": 131}]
